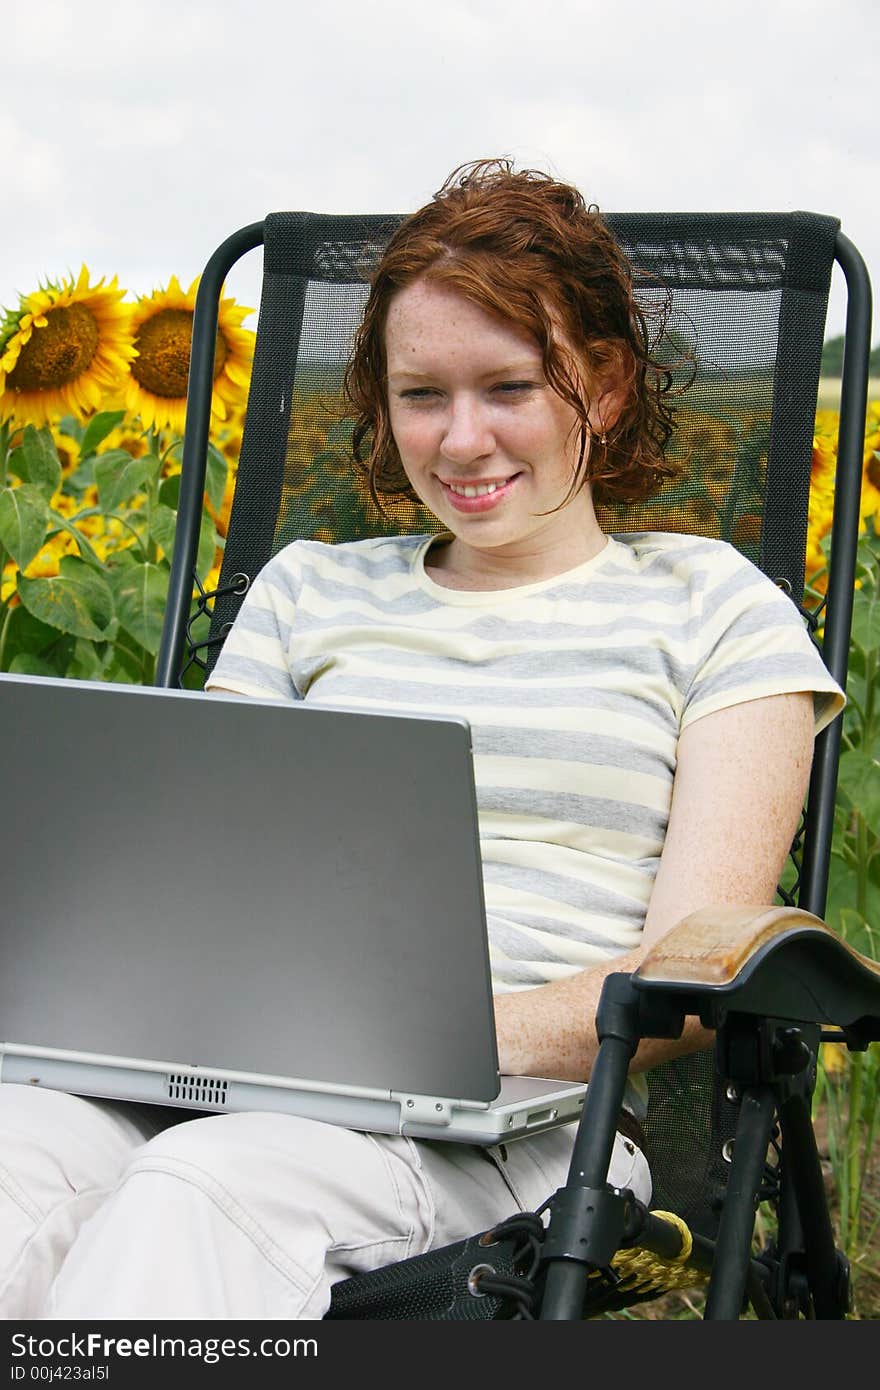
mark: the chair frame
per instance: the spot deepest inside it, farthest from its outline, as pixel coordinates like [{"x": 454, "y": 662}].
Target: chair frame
[
  {"x": 793, "y": 976},
  {"x": 769, "y": 1060},
  {"x": 841, "y": 579}
]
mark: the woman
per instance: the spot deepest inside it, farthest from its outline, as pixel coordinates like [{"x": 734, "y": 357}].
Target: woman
[{"x": 642, "y": 707}]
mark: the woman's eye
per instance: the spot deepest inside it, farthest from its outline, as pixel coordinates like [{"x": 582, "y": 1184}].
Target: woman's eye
[
  {"x": 512, "y": 388},
  {"x": 417, "y": 393}
]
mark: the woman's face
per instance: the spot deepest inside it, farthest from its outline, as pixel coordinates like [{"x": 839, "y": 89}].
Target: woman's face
[{"x": 485, "y": 441}]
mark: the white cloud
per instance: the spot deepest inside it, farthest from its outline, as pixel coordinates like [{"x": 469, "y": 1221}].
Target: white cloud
[{"x": 138, "y": 135}]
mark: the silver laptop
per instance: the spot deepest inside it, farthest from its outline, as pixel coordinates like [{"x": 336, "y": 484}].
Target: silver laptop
[{"x": 229, "y": 904}]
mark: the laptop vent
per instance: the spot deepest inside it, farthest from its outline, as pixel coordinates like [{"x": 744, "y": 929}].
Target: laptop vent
[{"x": 192, "y": 1089}]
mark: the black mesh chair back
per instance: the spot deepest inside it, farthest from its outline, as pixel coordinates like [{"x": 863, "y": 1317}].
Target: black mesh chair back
[{"x": 748, "y": 297}]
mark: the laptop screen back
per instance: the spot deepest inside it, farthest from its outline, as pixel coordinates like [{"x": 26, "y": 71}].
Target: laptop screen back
[{"x": 292, "y": 891}]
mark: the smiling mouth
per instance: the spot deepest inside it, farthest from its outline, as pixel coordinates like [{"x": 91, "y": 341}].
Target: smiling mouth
[
  {"x": 478, "y": 497},
  {"x": 478, "y": 489}
]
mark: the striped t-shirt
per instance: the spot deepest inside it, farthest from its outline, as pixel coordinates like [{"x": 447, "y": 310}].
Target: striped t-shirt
[{"x": 576, "y": 689}]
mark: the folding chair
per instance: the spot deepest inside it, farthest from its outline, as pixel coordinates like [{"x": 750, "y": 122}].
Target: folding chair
[{"x": 727, "y": 1129}]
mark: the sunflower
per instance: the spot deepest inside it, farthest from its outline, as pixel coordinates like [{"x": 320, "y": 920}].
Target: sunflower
[
  {"x": 871, "y": 470},
  {"x": 821, "y": 501},
  {"x": 63, "y": 349},
  {"x": 67, "y": 446},
  {"x": 162, "y": 328}
]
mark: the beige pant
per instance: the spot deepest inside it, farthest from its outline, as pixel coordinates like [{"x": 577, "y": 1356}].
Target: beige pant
[{"x": 104, "y": 1213}]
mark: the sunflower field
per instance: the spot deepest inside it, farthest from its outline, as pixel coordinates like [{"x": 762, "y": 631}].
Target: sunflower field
[{"x": 92, "y": 408}]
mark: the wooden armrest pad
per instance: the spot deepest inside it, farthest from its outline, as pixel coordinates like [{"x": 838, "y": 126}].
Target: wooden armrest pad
[{"x": 711, "y": 947}]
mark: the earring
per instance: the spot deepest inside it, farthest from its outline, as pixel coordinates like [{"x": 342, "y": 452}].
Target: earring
[{"x": 603, "y": 439}]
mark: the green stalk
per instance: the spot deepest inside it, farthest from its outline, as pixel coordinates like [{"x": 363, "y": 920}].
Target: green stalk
[
  {"x": 832, "y": 1101},
  {"x": 5, "y": 427},
  {"x": 116, "y": 516},
  {"x": 863, "y": 854},
  {"x": 847, "y": 855},
  {"x": 853, "y": 1148},
  {"x": 857, "y": 1065},
  {"x": 871, "y": 1108},
  {"x": 154, "y": 444},
  {"x": 5, "y": 432},
  {"x": 5, "y": 436},
  {"x": 872, "y": 663},
  {"x": 5, "y": 628}
]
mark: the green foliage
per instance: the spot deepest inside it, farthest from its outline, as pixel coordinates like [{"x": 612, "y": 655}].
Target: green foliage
[
  {"x": 854, "y": 896},
  {"x": 850, "y": 1096},
  {"x": 103, "y": 525}
]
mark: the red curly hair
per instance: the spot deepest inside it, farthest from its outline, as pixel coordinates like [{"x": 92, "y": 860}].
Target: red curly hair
[{"x": 529, "y": 249}]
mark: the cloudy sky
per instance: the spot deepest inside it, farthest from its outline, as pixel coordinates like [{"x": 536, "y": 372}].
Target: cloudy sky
[{"x": 135, "y": 136}]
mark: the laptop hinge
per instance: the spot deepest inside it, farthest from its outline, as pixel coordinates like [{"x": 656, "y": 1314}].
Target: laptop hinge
[{"x": 423, "y": 1110}]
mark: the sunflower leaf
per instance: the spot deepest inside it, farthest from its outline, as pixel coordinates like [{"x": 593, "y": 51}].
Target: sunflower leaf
[
  {"x": 129, "y": 665},
  {"x": 119, "y": 476},
  {"x": 26, "y": 664},
  {"x": 215, "y": 477},
  {"x": 85, "y": 664},
  {"x": 97, "y": 430},
  {"x": 207, "y": 546},
  {"x": 24, "y": 521},
  {"x": 38, "y": 461},
  {"x": 26, "y": 634},
  {"x": 169, "y": 491},
  {"x": 77, "y": 600},
  {"x": 859, "y": 782},
  {"x": 27, "y": 638},
  {"x": 86, "y": 549},
  {"x": 140, "y": 592},
  {"x": 163, "y": 524}
]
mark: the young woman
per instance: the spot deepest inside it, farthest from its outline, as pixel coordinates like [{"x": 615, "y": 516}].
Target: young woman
[{"x": 643, "y": 709}]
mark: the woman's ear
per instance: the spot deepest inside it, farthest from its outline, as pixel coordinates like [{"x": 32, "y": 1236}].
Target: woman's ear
[
  {"x": 607, "y": 408},
  {"x": 612, "y": 382}
]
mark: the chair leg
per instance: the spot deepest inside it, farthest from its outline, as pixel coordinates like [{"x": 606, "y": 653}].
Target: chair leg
[
  {"x": 733, "y": 1246},
  {"x": 587, "y": 1217},
  {"x": 825, "y": 1267}
]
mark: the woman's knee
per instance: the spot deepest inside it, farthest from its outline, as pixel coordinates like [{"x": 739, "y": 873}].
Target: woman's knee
[
  {"x": 276, "y": 1167},
  {"x": 60, "y": 1156},
  {"x": 50, "y": 1136},
  {"x": 224, "y": 1146}
]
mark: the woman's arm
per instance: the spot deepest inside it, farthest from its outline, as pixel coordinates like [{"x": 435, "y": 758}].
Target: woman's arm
[{"x": 739, "y": 789}]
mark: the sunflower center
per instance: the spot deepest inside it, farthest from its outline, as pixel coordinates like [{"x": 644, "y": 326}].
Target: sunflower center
[
  {"x": 58, "y": 353},
  {"x": 163, "y": 342},
  {"x": 873, "y": 471}
]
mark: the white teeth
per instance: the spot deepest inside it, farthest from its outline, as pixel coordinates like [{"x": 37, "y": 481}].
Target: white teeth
[{"x": 479, "y": 491}]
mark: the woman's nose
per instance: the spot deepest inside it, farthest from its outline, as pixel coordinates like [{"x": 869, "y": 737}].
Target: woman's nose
[{"x": 467, "y": 435}]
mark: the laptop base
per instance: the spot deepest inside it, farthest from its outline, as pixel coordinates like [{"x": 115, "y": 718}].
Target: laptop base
[{"x": 525, "y": 1105}]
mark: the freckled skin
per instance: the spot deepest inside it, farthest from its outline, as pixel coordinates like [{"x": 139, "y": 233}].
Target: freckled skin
[
  {"x": 739, "y": 788},
  {"x": 742, "y": 772},
  {"x": 469, "y": 402}
]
